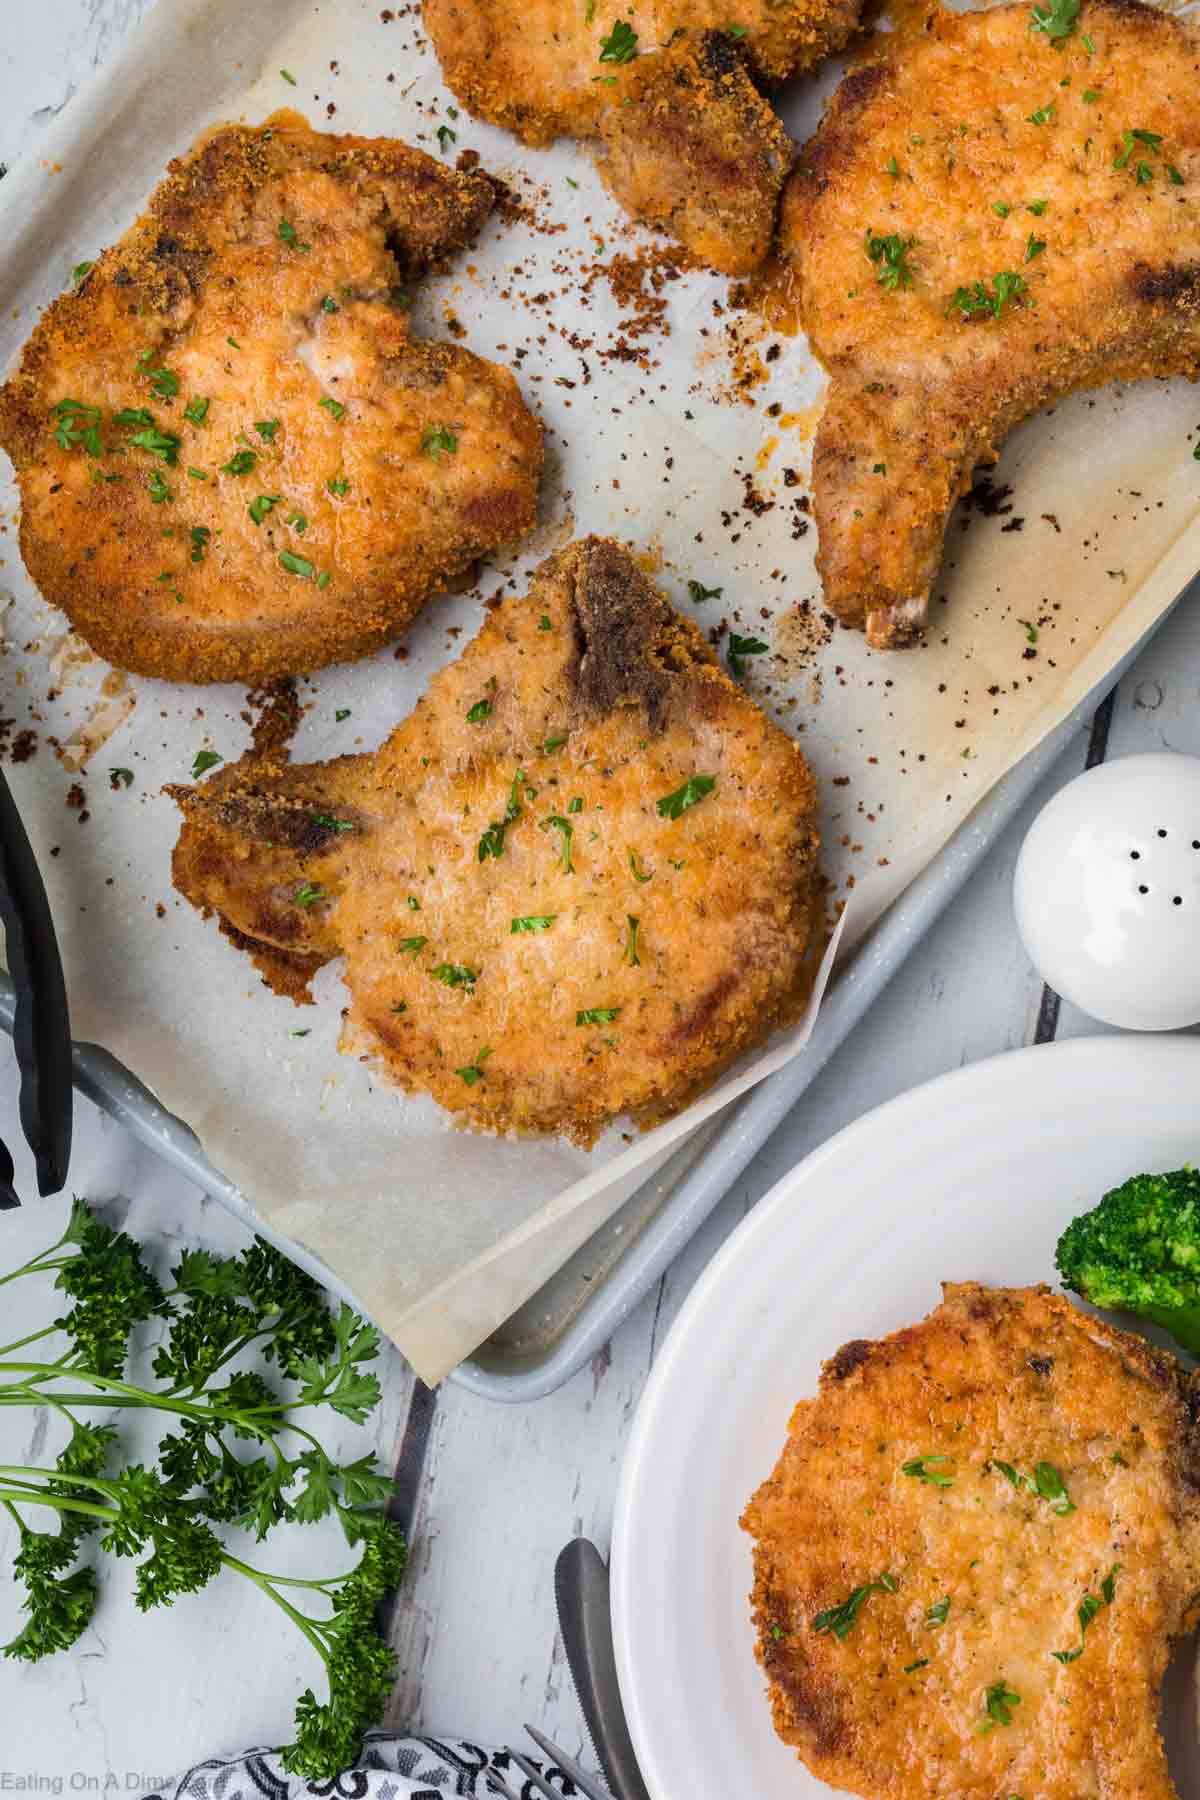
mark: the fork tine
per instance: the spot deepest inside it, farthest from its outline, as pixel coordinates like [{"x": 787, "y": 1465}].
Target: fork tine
[
  {"x": 534, "y": 1778},
  {"x": 587, "y": 1784},
  {"x": 500, "y": 1787}
]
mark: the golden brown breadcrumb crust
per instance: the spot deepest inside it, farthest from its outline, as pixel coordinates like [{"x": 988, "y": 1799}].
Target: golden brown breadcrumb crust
[
  {"x": 233, "y": 455},
  {"x": 696, "y": 150},
  {"x": 530, "y": 936},
  {"x": 987, "y": 149},
  {"x": 688, "y": 140},
  {"x": 923, "y": 1460}
]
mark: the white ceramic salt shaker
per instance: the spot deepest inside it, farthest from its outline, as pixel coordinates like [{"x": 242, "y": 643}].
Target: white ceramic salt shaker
[{"x": 1107, "y": 892}]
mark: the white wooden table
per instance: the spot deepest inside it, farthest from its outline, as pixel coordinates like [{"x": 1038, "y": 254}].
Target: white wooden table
[{"x": 496, "y": 1491}]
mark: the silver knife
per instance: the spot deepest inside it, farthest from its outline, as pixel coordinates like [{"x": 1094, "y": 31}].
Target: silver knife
[{"x": 584, "y": 1618}]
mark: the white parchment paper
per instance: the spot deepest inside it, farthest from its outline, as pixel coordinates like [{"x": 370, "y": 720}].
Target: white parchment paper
[{"x": 686, "y": 433}]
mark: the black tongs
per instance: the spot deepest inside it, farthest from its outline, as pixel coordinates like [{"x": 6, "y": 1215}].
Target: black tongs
[{"x": 41, "y": 1023}]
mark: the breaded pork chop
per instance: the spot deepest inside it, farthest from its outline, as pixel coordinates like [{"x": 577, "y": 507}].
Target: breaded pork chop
[
  {"x": 975, "y": 1550},
  {"x": 984, "y": 221},
  {"x": 235, "y": 459},
  {"x": 574, "y": 883},
  {"x": 689, "y": 142}
]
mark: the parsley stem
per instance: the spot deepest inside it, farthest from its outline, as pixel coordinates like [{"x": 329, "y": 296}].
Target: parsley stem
[
  {"x": 301, "y": 1620},
  {"x": 38, "y": 1266},
  {"x": 135, "y": 1396},
  {"x": 42, "y": 1498},
  {"x": 20, "y": 1343},
  {"x": 18, "y": 1521}
]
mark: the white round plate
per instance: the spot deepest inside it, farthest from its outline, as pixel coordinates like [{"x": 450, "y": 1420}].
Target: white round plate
[{"x": 972, "y": 1177}]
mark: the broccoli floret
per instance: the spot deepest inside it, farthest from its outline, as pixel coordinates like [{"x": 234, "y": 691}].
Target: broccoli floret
[{"x": 1139, "y": 1252}]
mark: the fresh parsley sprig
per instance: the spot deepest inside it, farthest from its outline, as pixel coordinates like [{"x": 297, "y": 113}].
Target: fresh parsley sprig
[{"x": 168, "y": 1515}]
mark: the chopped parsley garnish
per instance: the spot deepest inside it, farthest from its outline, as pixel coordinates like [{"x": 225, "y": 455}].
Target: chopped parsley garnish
[
  {"x": 132, "y": 415},
  {"x": 481, "y": 710},
  {"x": 309, "y": 894},
  {"x": 240, "y": 463},
  {"x": 80, "y": 424},
  {"x": 1089, "y": 1606},
  {"x": 334, "y": 824},
  {"x": 290, "y": 236},
  {"x": 841, "y": 1619},
  {"x": 413, "y": 904},
  {"x": 633, "y": 861},
  {"x": 119, "y": 778},
  {"x": 456, "y": 975},
  {"x": 552, "y": 744},
  {"x": 735, "y": 31},
  {"x": 1045, "y": 1482},
  {"x": 1034, "y": 247},
  {"x": 261, "y": 506},
  {"x": 575, "y": 805},
  {"x": 81, "y": 271},
  {"x": 200, "y": 535},
  {"x": 438, "y": 441},
  {"x": 337, "y": 484},
  {"x": 739, "y": 649},
  {"x": 299, "y": 522},
  {"x": 1057, "y": 20},
  {"x": 922, "y": 1662},
  {"x": 998, "y": 206},
  {"x": 343, "y": 712},
  {"x": 936, "y": 1471},
  {"x": 155, "y": 442},
  {"x": 694, "y": 789},
  {"x": 597, "y": 1015},
  {"x": 632, "y": 926},
  {"x": 412, "y": 945},
  {"x": 1089, "y": 96},
  {"x": 203, "y": 761},
  {"x": 333, "y": 407},
  {"x": 473, "y": 1071},
  {"x": 1043, "y": 116},
  {"x": 938, "y": 1613},
  {"x": 544, "y": 623},
  {"x": 532, "y": 922},
  {"x": 893, "y": 167},
  {"x": 297, "y": 565},
  {"x": 1173, "y": 175},
  {"x": 556, "y": 822},
  {"x": 159, "y": 491},
  {"x": 266, "y": 428},
  {"x": 164, "y": 383},
  {"x": 1037, "y": 207},
  {"x": 288, "y": 77},
  {"x": 1150, "y": 139},
  {"x": 196, "y": 410},
  {"x": 1031, "y": 630},
  {"x": 890, "y": 256},
  {"x": 998, "y": 1702},
  {"x": 446, "y": 137},
  {"x": 492, "y": 841},
  {"x": 698, "y": 592},
  {"x": 976, "y": 302},
  {"x": 621, "y": 44}
]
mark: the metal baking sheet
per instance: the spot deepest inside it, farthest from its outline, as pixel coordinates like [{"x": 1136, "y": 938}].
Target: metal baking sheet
[{"x": 568, "y": 1320}]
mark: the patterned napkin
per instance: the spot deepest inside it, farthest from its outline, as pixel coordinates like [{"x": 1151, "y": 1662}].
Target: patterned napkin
[{"x": 389, "y": 1768}]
